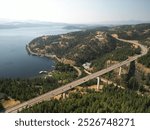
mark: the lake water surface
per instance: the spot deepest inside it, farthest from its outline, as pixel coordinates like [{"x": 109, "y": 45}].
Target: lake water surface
[{"x": 14, "y": 59}]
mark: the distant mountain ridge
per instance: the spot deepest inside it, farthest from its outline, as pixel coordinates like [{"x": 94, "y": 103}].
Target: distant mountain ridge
[
  {"x": 19, "y": 24},
  {"x": 6, "y": 24}
]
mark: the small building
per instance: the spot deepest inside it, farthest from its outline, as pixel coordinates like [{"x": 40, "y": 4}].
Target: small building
[{"x": 86, "y": 65}]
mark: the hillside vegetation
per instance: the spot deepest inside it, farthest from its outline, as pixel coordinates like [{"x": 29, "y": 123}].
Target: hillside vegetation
[
  {"x": 130, "y": 32},
  {"x": 81, "y": 47},
  {"x": 25, "y": 89},
  {"x": 145, "y": 60},
  {"x": 98, "y": 47},
  {"x": 111, "y": 99},
  {"x": 140, "y": 32}
]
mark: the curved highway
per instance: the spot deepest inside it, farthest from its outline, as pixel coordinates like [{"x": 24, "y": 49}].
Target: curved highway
[{"x": 63, "y": 89}]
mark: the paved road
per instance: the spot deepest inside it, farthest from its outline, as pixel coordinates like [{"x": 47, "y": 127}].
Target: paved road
[{"x": 63, "y": 89}]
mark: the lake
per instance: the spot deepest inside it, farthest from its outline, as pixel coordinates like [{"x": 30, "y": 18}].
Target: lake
[{"x": 14, "y": 59}]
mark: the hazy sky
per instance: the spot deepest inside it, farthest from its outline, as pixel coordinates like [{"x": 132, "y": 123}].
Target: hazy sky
[{"x": 75, "y": 11}]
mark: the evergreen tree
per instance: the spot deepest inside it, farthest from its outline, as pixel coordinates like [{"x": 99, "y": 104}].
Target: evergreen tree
[{"x": 133, "y": 84}]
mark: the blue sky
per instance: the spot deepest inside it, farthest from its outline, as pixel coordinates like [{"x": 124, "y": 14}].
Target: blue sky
[{"x": 76, "y": 11}]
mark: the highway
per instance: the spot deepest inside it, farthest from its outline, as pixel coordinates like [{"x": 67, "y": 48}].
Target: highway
[{"x": 69, "y": 86}]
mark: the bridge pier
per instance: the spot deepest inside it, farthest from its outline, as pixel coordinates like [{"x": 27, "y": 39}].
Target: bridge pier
[
  {"x": 64, "y": 95},
  {"x": 98, "y": 83},
  {"x": 120, "y": 71}
]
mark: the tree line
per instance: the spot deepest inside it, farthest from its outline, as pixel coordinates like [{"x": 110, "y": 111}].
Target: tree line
[
  {"x": 111, "y": 99},
  {"x": 25, "y": 89}
]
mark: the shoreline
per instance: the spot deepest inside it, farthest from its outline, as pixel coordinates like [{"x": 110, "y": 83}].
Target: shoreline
[
  {"x": 53, "y": 57},
  {"x": 50, "y": 57},
  {"x": 41, "y": 55}
]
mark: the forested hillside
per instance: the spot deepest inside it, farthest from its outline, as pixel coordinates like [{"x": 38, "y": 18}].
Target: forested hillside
[
  {"x": 111, "y": 99},
  {"x": 130, "y": 32},
  {"x": 78, "y": 46},
  {"x": 145, "y": 60},
  {"x": 101, "y": 50},
  {"x": 140, "y": 32},
  {"x": 25, "y": 89}
]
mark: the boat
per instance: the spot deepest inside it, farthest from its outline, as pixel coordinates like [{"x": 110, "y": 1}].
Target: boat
[{"x": 43, "y": 72}]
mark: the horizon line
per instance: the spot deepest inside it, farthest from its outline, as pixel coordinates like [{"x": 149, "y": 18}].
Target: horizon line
[{"x": 90, "y": 23}]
